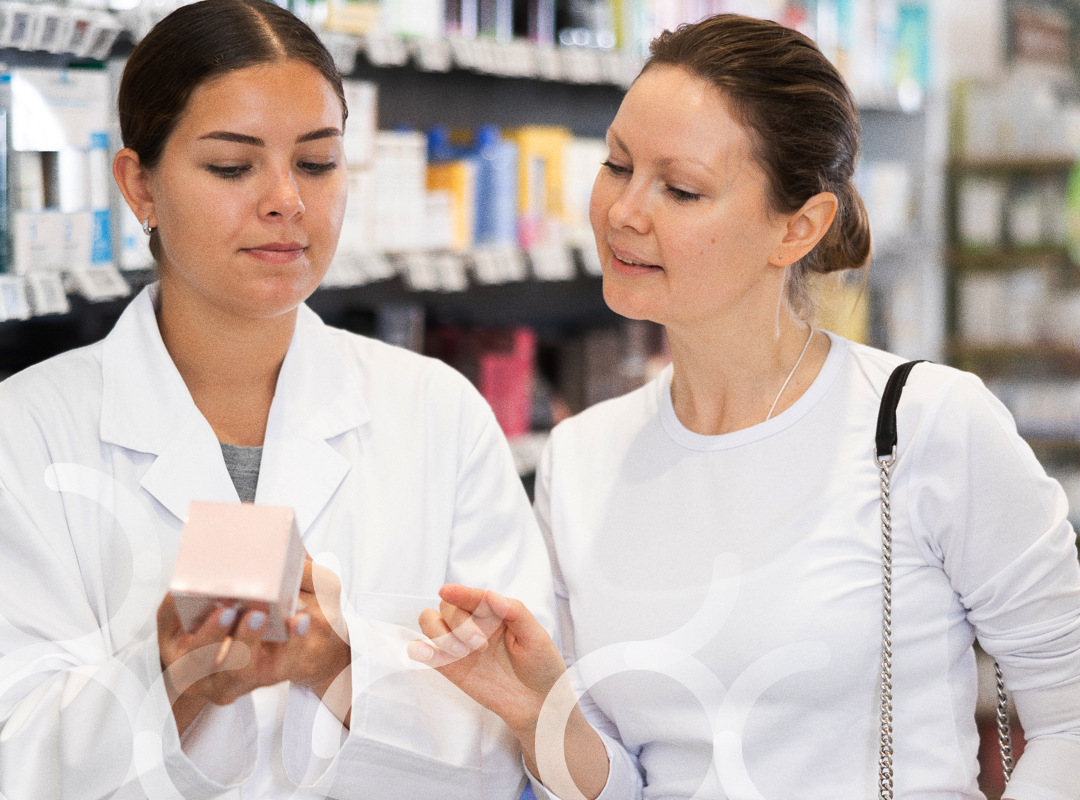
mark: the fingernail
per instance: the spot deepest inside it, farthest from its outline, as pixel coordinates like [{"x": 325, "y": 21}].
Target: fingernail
[
  {"x": 459, "y": 649},
  {"x": 418, "y": 651},
  {"x": 303, "y": 624},
  {"x": 477, "y": 641},
  {"x": 227, "y": 618},
  {"x": 256, "y": 620}
]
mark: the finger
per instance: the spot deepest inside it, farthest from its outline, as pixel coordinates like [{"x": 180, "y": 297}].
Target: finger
[
  {"x": 486, "y": 616},
  {"x": 464, "y": 627},
  {"x": 299, "y": 624},
  {"x": 517, "y": 618},
  {"x": 464, "y": 597},
  {"x": 447, "y": 647},
  {"x": 249, "y": 631},
  {"x": 306, "y": 583},
  {"x": 168, "y": 620}
]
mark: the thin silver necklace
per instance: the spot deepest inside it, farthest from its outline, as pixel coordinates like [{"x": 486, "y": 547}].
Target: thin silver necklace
[{"x": 790, "y": 374}]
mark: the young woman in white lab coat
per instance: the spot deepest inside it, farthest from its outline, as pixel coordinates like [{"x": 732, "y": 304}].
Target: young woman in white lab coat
[
  {"x": 232, "y": 115},
  {"x": 716, "y": 534}
]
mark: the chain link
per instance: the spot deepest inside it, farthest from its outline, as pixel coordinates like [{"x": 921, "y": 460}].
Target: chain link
[
  {"x": 885, "y": 737},
  {"x": 1004, "y": 734}
]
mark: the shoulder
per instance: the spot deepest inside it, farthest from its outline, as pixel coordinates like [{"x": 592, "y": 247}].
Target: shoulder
[
  {"x": 69, "y": 383},
  {"x": 609, "y": 424},
  {"x": 928, "y": 384},
  {"x": 391, "y": 367},
  {"x": 405, "y": 390}
]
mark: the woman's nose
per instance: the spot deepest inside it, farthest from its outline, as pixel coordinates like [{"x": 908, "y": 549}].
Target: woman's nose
[
  {"x": 282, "y": 197},
  {"x": 630, "y": 209}
]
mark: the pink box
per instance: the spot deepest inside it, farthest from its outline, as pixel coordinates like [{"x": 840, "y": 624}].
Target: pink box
[{"x": 241, "y": 554}]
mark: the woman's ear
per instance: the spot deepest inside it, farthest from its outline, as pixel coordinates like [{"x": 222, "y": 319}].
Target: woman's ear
[
  {"x": 805, "y": 228},
  {"x": 134, "y": 182}
]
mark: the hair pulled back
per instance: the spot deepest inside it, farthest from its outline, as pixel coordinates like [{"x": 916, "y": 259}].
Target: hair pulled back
[
  {"x": 195, "y": 44},
  {"x": 802, "y": 118}
]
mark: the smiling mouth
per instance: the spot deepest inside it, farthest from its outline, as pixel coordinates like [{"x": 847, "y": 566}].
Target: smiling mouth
[{"x": 631, "y": 262}]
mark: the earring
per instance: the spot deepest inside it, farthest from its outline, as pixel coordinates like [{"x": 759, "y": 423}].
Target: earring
[{"x": 146, "y": 226}]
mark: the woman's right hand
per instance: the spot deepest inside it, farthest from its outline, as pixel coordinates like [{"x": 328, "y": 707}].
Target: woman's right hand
[{"x": 199, "y": 668}]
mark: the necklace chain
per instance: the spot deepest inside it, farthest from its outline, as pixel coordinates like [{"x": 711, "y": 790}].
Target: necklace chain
[{"x": 790, "y": 374}]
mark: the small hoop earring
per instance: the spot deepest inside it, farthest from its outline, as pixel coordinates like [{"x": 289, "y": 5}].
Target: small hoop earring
[{"x": 146, "y": 226}]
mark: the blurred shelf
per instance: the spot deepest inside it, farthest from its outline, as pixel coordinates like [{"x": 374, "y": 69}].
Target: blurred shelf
[
  {"x": 971, "y": 258},
  {"x": 1056, "y": 449},
  {"x": 1002, "y": 359},
  {"x": 1011, "y": 165}
]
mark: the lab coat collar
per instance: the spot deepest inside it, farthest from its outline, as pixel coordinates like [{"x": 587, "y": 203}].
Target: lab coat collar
[{"x": 147, "y": 407}]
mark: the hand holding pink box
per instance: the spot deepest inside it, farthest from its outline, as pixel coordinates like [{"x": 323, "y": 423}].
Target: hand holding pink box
[{"x": 242, "y": 554}]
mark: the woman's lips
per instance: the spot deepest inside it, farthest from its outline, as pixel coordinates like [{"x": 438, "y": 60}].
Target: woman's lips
[
  {"x": 622, "y": 267},
  {"x": 275, "y": 253}
]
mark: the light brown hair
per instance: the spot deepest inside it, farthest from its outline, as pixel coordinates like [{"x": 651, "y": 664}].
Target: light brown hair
[{"x": 802, "y": 120}]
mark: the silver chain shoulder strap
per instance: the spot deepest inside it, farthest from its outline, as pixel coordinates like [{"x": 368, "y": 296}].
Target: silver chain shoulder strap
[{"x": 885, "y": 458}]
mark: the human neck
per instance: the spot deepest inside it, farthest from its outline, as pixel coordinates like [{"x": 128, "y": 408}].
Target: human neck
[
  {"x": 727, "y": 376},
  {"x": 229, "y": 363}
]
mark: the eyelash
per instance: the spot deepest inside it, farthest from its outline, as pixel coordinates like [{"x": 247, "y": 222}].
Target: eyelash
[
  {"x": 680, "y": 195},
  {"x": 235, "y": 173}
]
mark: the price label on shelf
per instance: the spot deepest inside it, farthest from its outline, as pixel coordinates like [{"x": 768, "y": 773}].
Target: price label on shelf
[
  {"x": 14, "y": 301},
  {"x": 47, "y": 295},
  {"x": 521, "y": 59},
  {"x": 485, "y": 57},
  {"x": 100, "y": 283},
  {"x": 345, "y": 270},
  {"x": 420, "y": 272},
  {"x": 386, "y": 51},
  {"x": 582, "y": 66},
  {"x": 376, "y": 267},
  {"x": 463, "y": 52},
  {"x": 433, "y": 55},
  {"x": 450, "y": 268},
  {"x": 549, "y": 65},
  {"x": 612, "y": 67},
  {"x": 552, "y": 263},
  {"x": 512, "y": 264},
  {"x": 590, "y": 259}
]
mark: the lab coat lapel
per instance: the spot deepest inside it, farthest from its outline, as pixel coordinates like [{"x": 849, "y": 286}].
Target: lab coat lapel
[
  {"x": 146, "y": 407},
  {"x": 318, "y": 398}
]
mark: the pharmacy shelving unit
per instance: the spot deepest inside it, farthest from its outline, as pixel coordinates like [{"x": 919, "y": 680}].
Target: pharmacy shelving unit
[
  {"x": 470, "y": 83},
  {"x": 1035, "y": 358}
]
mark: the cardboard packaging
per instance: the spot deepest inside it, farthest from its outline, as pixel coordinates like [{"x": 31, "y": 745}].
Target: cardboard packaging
[{"x": 242, "y": 554}]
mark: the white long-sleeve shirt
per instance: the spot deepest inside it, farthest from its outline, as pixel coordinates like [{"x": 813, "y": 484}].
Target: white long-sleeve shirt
[
  {"x": 401, "y": 481},
  {"x": 721, "y": 595}
]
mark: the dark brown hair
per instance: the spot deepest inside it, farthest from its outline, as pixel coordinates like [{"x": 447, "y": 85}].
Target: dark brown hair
[
  {"x": 199, "y": 42},
  {"x": 802, "y": 119}
]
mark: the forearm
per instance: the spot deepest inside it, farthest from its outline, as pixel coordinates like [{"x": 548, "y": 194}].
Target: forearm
[{"x": 585, "y": 754}]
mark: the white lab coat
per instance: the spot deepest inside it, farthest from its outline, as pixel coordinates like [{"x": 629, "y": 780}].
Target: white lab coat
[{"x": 401, "y": 481}]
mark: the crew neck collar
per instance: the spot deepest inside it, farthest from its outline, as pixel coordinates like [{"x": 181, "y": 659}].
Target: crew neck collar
[{"x": 685, "y": 437}]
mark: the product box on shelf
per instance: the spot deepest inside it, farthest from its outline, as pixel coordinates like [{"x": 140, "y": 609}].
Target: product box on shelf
[{"x": 60, "y": 169}]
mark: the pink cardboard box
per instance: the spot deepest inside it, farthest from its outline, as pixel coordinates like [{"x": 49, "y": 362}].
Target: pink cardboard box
[{"x": 239, "y": 554}]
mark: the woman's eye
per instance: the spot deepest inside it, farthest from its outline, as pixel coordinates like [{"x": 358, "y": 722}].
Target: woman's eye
[
  {"x": 317, "y": 168},
  {"x": 682, "y": 196},
  {"x": 615, "y": 169},
  {"x": 228, "y": 172}
]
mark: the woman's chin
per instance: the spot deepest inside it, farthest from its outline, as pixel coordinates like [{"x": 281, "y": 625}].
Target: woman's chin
[{"x": 630, "y": 302}]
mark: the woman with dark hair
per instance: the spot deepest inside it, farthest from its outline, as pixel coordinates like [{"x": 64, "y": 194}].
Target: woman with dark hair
[
  {"x": 219, "y": 384},
  {"x": 717, "y": 534}
]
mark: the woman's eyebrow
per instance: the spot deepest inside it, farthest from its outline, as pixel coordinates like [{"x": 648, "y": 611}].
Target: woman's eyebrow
[{"x": 242, "y": 138}]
